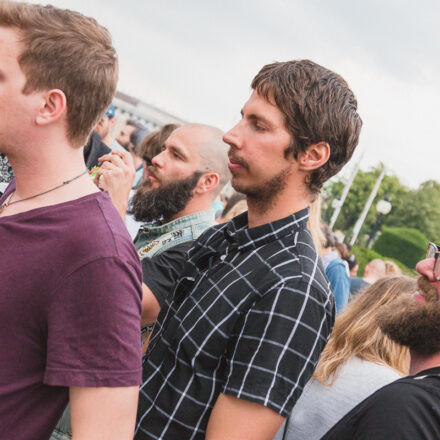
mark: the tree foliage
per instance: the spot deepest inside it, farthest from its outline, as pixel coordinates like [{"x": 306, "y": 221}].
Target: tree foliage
[{"x": 412, "y": 208}]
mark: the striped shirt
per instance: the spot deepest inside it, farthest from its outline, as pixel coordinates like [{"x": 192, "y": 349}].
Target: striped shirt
[{"x": 248, "y": 317}]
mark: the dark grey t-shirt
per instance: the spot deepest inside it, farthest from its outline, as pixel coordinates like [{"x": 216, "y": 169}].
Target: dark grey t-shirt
[{"x": 70, "y": 304}]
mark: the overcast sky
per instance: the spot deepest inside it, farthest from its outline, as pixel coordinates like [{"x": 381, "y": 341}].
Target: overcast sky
[{"x": 196, "y": 59}]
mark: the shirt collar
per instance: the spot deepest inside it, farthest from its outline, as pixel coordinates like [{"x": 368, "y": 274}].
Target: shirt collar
[
  {"x": 156, "y": 229},
  {"x": 237, "y": 231}
]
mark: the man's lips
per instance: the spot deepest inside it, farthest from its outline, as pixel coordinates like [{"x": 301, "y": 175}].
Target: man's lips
[
  {"x": 152, "y": 176},
  {"x": 235, "y": 163},
  {"x": 419, "y": 297}
]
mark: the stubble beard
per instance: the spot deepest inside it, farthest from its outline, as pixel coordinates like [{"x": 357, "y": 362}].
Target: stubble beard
[
  {"x": 263, "y": 196},
  {"x": 412, "y": 324}
]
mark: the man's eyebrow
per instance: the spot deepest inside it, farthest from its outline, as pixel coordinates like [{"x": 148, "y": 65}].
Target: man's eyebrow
[
  {"x": 259, "y": 118},
  {"x": 178, "y": 151}
]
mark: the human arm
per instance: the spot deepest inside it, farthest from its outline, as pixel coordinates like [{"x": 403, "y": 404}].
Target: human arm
[
  {"x": 245, "y": 420},
  {"x": 277, "y": 345},
  {"x": 150, "y": 306},
  {"x": 103, "y": 413},
  {"x": 93, "y": 328},
  {"x": 340, "y": 283},
  {"x": 116, "y": 176}
]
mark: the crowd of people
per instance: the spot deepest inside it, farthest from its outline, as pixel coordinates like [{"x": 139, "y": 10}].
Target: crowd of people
[{"x": 179, "y": 283}]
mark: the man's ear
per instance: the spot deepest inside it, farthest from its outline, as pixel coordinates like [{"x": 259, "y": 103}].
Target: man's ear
[
  {"x": 53, "y": 107},
  {"x": 207, "y": 182},
  {"x": 314, "y": 157}
]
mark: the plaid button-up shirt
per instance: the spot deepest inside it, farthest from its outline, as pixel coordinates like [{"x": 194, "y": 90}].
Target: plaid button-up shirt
[{"x": 249, "y": 317}]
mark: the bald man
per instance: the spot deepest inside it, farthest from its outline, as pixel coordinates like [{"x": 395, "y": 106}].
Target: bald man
[
  {"x": 174, "y": 203},
  {"x": 374, "y": 270}
]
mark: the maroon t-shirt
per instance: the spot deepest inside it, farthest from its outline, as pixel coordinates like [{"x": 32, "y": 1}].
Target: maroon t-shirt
[{"x": 70, "y": 304}]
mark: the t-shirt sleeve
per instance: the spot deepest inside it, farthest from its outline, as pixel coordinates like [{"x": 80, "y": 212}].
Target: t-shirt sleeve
[
  {"x": 389, "y": 414},
  {"x": 162, "y": 271},
  {"x": 93, "y": 327},
  {"x": 276, "y": 345}
]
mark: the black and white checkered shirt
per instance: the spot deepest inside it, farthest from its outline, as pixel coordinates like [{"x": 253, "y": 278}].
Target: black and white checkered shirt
[{"x": 249, "y": 317}]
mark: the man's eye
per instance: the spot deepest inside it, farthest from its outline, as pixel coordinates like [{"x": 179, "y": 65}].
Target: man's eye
[{"x": 259, "y": 127}]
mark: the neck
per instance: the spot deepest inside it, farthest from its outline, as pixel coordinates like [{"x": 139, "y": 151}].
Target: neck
[
  {"x": 108, "y": 140},
  {"x": 291, "y": 199},
  {"x": 420, "y": 363},
  {"x": 36, "y": 173},
  {"x": 194, "y": 206},
  {"x": 370, "y": 280},
  {"x": 41, "y": 167}
]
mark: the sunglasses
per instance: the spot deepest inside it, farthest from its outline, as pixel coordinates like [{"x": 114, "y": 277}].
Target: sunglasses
[{"x": 433, "y": 252}]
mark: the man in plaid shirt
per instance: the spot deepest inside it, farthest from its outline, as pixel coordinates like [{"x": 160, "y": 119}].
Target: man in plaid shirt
[{"x": 249, "y": 316}]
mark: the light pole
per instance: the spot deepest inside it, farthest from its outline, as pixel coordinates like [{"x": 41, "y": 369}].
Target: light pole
[
  {"x": 383, "y": 207},
  {"x": 360, "y": 221}
]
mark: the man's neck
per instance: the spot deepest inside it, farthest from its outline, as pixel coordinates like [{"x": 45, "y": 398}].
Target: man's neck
[
  {"x": 369, "y": 280},
  {"x": 292, "y": 199},
  {"x": 108, "y": 140},
  {"x": 194, "y": 206},
  {"x": 420, "y": 363},
  {"x": 40, "y": 170}
]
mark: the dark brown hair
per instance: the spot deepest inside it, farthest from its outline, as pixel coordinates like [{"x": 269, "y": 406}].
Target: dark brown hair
[
  {"x": 317, "y": 106},
  {"x": 65, "y": 50},
  {"x": 153, "y": 143}
]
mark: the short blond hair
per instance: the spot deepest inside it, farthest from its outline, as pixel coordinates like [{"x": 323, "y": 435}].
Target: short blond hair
[{"x": 65, "y": 50}]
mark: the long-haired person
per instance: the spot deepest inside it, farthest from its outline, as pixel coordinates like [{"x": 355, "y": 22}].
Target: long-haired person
[{"x": 358, "y": 359}]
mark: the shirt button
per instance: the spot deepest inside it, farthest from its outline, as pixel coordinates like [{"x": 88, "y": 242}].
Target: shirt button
[{"x": 222, "y": 257}]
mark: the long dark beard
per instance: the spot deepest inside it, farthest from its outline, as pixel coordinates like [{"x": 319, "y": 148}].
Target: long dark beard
[
  {"x": 412, "y": 324},
  {"x": 164, "y": 202}
]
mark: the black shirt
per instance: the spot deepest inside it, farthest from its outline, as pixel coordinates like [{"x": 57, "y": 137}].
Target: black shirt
[
  {"x": 94, "y": 149},
  {"x": 161, "y": 270},
  {"x": 407, "y": 409},
  {"x": 249, "y": 317}
]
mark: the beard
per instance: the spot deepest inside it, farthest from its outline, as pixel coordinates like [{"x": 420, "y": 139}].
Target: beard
[
  {"x": 164, "y": 202},
  {"x": 264, "y": 194},
  {"x": 412, "y": 324}
]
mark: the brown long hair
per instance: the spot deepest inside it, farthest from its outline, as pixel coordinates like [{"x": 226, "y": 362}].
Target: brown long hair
[{"x": 356, "y": 331}]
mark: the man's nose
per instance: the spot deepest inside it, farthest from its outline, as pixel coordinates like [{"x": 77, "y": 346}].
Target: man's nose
[
  {"x": 232, "y": 137},
  {"x": 157, "y": 161},
  {"x": 426, "y": 268}
]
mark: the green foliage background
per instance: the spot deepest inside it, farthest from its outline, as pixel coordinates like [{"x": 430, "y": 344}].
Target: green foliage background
[
  {"x": 411, "y": 208},
  {"x": 406, "y": 244},
  {"x": 364, "y": 256}
]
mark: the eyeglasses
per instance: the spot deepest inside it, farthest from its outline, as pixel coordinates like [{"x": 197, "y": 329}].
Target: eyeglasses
[{"x": 433, "y": 252}]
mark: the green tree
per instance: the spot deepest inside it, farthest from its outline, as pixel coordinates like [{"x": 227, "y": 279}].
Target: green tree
[
  {"x": 411, "y": 208},
  {"x": 419, "y": 209},
  {"x": 358, "y": 195}
]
